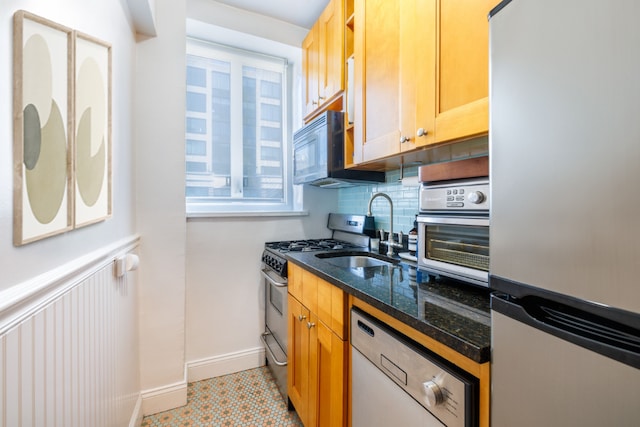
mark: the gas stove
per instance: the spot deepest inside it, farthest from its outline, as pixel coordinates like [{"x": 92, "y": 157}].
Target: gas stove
[
  {"x": 349, "y": 232},
  {"x": 273, "y": 255},
  {"x": 309, "y": 245}
]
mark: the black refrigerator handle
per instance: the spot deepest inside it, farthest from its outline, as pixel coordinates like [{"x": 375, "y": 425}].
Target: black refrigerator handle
[{"x": 588, "y": 325}]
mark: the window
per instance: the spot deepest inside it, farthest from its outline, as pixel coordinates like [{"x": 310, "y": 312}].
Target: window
[{"x": 237, "y": 156}]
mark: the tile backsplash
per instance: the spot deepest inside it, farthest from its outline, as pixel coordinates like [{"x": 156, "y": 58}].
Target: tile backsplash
[
  {"x": 405, "y": 201},
  {"x": 355, "y": 199}
]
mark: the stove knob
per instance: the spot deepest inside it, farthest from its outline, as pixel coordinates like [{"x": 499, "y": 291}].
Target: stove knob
[
  {"x": 433, "y": 393},
  {"x": 476, "y": 197}
]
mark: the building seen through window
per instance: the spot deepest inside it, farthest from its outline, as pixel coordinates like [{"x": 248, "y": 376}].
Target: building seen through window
[{"x": 236, "y": 150}]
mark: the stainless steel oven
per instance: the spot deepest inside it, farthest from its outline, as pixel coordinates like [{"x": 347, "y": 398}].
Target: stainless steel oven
[
  {"x": 349, "y": 232},
  {"x": 453, "y": 230},
  {"x": 275, "y": 336}
]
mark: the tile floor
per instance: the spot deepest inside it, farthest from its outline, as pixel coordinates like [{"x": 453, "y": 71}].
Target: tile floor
[{"x": 244, "y": 399}]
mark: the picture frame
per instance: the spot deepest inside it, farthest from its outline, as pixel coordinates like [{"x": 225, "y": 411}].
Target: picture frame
[
  {"x": 62, "y": 143},
  {"x": 42, "y": 68},
  {"x": 92, "y": 130}
]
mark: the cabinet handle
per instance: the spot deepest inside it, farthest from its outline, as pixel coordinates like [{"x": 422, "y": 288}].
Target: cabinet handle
[
  {"x": 301, "y": 317},
  {"x": 310, "y": 325},
  {"x": 421, "y": 132},
  {"x": 314, "y": 102},
  {"x": 404, "y": 139}
]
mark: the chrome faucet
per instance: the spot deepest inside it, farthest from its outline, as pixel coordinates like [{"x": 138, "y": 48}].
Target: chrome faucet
[{"x": 391, "y": 244}]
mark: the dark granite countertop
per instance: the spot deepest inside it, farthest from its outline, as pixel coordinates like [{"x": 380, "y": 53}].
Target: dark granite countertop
[{"x": 451, "y": 312}]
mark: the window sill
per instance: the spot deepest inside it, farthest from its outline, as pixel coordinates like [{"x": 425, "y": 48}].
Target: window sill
[{"x": 245, "y": 214}]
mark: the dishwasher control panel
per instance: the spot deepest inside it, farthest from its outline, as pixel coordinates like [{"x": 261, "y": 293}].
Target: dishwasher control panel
[{"x": 443, "y": 389}]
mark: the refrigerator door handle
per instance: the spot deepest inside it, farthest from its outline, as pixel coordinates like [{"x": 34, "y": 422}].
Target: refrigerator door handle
[{"x": 607, "y": 337}]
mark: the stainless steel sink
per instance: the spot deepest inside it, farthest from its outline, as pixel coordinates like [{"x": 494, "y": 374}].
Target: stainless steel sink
[{"x": 357, "y": 259}]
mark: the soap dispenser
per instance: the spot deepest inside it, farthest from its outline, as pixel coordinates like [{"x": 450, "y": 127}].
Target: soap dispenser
[{"x": 413, "y": 238}]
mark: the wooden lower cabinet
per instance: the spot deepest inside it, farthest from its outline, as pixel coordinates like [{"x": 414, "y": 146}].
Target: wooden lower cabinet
[
  {"x": 316, "y": 369},
  {"x": 318, "y": 351},
  {"x": 298, "y": 356},
  {"x": 331, "y": 399}
]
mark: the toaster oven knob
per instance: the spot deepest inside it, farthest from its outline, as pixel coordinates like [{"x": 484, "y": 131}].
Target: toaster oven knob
[
  {"x": 433, "y": 393},
  {"x": 476, "y": 197}
]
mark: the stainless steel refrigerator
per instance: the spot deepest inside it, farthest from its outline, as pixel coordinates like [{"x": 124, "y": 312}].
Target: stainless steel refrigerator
[{"x": 565, "y": 213}]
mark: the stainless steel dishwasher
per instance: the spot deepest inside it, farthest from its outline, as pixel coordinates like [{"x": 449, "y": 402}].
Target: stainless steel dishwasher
[{"x": 395, "y": 381}]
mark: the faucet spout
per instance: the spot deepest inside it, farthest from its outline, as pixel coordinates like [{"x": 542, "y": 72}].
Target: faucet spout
[{"x": 390, "y": 240}]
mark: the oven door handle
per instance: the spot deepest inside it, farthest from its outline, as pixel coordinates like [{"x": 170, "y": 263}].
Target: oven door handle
[
  {"x": 273, "y": 282},
  {"x": 263, "y": 337},
  {"x": 451, "y": 220}
]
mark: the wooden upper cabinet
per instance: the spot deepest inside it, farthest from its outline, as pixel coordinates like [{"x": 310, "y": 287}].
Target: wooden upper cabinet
[
  {"x": 462, "y": 108},
  {"x": 331, "y": 59},
  {"x": 421, "y": 74},
  {"x": 376, "y": 78},
  {"x": 323, "y": 59},
  {"x": 394, "y": 48},
  {"x": 310, "y": 69},
  {"x": 417, "y": 73}
]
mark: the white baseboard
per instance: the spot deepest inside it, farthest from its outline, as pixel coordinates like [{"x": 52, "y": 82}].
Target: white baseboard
[
  {"x": 225, "y": 364},
  {"x": 164, "y": 398},
  {"x": 136, "y": 416},
  {"x": 175, "y": 395}
]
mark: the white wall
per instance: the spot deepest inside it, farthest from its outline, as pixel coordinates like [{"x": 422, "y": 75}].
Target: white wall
[
  {"x": 160, "y": 93},
  {"x": 225, "y": 296},
  {"x": 49, "y": 314},
  {"x": 148, "y": 181},
  {"x": 219, "y": 14},
  {"x": 225, "y": 307},
  {"x": 109, "y": 21}
]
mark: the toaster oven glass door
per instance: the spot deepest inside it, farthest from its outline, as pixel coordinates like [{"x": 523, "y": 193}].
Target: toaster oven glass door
[{"x": 456, "y": 247}]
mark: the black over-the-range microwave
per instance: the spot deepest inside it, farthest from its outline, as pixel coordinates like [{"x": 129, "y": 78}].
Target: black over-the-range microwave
[{"x": 318, "y": 155}]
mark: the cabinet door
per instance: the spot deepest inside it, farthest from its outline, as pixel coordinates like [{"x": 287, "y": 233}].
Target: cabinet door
[
  {"x": 310, "y": 67},
  {"x": 331, "y": 58},
  {"x": 327, "y": 397},
  {"x": 417, "y": 73},
  {"x": 331, "y": 308},
  {"x": 294, "y": 281},
  {"x": 310, "y": 290},
  {"x": 377, "y": 78},
  {"x": 298, "y": 357},
  {"x": 463, "y": 69}
]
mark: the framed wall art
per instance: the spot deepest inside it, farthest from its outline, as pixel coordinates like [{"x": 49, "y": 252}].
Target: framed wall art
[
  {"x": 62, "y": 129},
  {"x": 43, "y": 82},
  {"x": 92, "y": 128}
]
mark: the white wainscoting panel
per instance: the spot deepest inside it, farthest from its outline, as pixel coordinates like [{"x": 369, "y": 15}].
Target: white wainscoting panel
[{"x": 72, "y": 361}]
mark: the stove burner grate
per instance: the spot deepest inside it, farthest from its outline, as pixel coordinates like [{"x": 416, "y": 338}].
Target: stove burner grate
[{"x": 309, "y": 245}]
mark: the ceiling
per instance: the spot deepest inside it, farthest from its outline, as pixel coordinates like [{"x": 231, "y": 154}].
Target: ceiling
[{"x": 302, "y": 13}]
